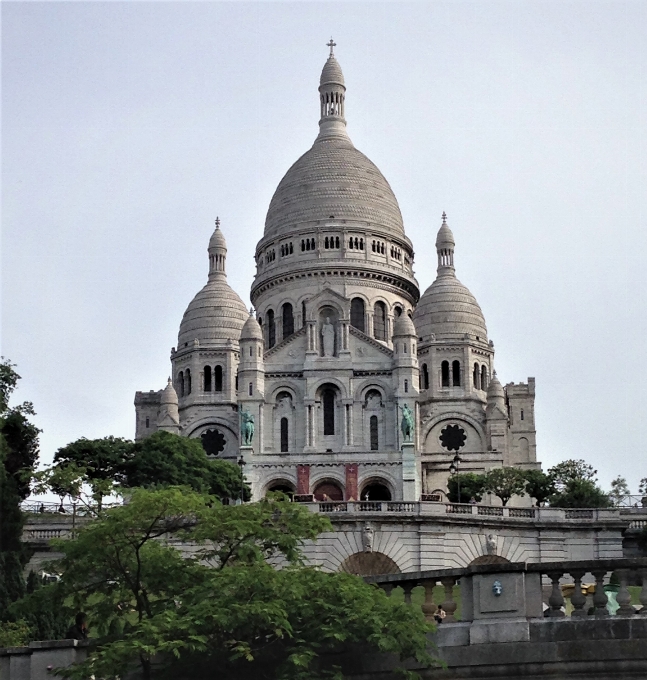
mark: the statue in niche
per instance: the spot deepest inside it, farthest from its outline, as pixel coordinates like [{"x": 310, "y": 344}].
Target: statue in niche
[
  {"x": 247, "y": 427},
  {"x": 367, "y": 538},
  {"x": 373, "y": 400},
  {"x": 407, "y": 426},
  {"x": 490, "y": 544},
  {"x": 328, "y": 338}
]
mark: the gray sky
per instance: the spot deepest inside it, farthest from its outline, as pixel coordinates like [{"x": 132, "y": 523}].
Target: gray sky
[{"x": 127, "y": 127}]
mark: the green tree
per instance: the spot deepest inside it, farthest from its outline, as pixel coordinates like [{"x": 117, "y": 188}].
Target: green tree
[
  {"x": 505, "y": 482},
  {"x": 570, "y": 470},
  {"x": 619, "y": 490},
  {"x": 471, "y": 486},
  {"x": 539, "y": 485},
  {"x": 580, "y": 493},
  {"x": 221, "y": 605}
]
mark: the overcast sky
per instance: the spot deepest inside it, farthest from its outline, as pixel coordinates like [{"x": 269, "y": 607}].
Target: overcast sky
[{"x": 128, "y": 127}]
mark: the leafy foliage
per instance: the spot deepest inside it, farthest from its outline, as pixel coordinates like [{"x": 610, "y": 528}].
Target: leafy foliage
[
  {"x": 222, "y": 605},
  {"x": 539, "y": 485},
  {"x": 14, "y": 634},
  {"x": 471, "y": 486},
  {"x": 571, "y": 470},
  {"x": 505, "y": 482},
  {"x": 619, "y": 490},
  {"x": 580, "y": 493}
]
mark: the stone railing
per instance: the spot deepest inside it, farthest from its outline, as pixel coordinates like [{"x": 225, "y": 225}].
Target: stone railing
[
  {"x": 569, "y": 591},
  {"x": 424, "y": 508}
]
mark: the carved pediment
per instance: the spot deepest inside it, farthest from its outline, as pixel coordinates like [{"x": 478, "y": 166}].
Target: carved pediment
[{"x": 292, "y": 350}]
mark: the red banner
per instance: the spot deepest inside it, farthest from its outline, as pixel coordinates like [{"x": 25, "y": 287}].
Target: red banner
[
  {"x": 352, "y": 492},
  {"x": 303, "y": 479}
]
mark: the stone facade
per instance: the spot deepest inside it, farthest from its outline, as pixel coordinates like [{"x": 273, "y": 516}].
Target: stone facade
[{"x": 340, "y": 345}]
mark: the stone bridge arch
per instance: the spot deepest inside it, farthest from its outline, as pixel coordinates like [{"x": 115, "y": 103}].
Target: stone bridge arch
[{"x": 369, "y": 564}]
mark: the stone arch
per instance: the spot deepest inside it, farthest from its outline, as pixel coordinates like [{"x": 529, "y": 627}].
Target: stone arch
[
  {"x": 292, "y": 388},
  {"x": 370, "y": 384},
  {"x": 332, "y": 488},
  {"x": 382, "y": 477},
  {"x": 443, "y": 418},
  {"x": 275, "y": 482},
  {"x": 376, "y": 481},
  {"x": 230, "y": 449},
  {"x": 369, "y": 564},
  {"x": 488, "y": 559},
  {"x": 329, "y": 380}
]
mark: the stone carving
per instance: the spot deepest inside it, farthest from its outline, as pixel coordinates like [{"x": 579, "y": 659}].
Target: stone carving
[
  {"x": 490, "y": 544},
  {"x": 328, "y": 338},
  {"x": 367, "y": 538},
  {"x": 497, "y": 588},
  {"x": 246, "y": 427},
  {"x": 407, "y": 426}
]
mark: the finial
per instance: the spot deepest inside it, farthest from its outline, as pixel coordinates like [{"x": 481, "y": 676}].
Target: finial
[
  {"x": 251, "y": 311},
  {"x": 331, "y": 44},
  {"x": 444, "y": 217},
  {"x": 217, "y": 223}
]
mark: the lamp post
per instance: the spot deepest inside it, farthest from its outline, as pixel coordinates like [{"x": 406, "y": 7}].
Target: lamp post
[
  {"x": 453, "y": 470},
  {"x": 241, "y": 464}
]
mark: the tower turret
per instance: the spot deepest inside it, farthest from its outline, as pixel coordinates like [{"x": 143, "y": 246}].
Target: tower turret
[
  {"x": 168, "y": 418},
  {"x": 332, "y": 95}
]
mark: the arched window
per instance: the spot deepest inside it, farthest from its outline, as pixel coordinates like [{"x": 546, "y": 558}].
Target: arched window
[
  {"x": 456, "y": 373},
  {"x": 425, "y": 377},
  {"x": 406, "y": 386},
  {"x": 188, "y": 381},
  {"x": 180, "y": 379},
  {"x": 250, "y": 390},
  {"x": 375, "y": 443},
  {"x": 379, "y": 321},
  {"x": 284, "y": 435},
  {"x": 217, "y": 374},
  {"x": 326, "y": 243},
  {"x": 271, "y": 329},
  {"x": 207, "y": 378},
  {"x": 444, "y": 374},
  {"x": 397, "y": 311},
  {"x": 336, "y": 241},
  {"x": 328, "y": 399},
  {"x": 288, "y": 320},
  {"x": 357, "y": 314},
  {"x": 484, "y": 377},
  {"x": 303, "y": 314},
  {"x": 477, "y": 377}
]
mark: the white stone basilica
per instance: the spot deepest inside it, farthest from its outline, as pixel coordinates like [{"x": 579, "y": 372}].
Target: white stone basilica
[{"x": 340, "y": 343}]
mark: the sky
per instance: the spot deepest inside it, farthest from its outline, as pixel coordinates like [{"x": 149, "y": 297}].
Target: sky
[{"x": 127, "y": 127}]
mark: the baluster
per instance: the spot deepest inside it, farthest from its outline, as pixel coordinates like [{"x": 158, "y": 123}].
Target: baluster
[
  {"x": 407, "y": 587},
  {"x": 428, "y": 606},
  {"x": 643, "y": 592},
  {"x": 623, "y": 598},
  {"x": 600, "y": 597},
  {"x": 449, "y": 605},
  {"x": 578, "y": 598},
  {"x": 556, "y": 599},
  {"x": 387, "y": 588}
]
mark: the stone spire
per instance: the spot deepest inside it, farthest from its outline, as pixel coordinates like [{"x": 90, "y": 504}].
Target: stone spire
[
  {"x": 217, "y": 252},
  {"x": 445, "y": 248},
  {"x": 332, "y": 95}
]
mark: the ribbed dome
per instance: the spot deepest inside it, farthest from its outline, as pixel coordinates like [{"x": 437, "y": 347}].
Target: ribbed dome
[
  {"x": 215, "y": 314},
  {"x": 333, "y": 180},
  {"x": 251, "y": 330},
  {"x": 403, "y": 326},
  {"x": 449, "y": 311},
  {"x": 169, "y": 395},
  {"x": 331, "y": 73}
]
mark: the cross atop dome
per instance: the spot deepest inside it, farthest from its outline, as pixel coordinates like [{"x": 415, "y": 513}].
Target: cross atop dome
[
  {"x": 217, "y": 223},
  {"x": 331, "y": 44},
  {"x": 444, "y": 217}
]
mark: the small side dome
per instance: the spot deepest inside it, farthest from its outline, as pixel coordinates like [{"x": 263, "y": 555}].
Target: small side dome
[
  {"x": 169, "y": 395},
  {"x": 495, "y": 389},
  {"x": 404, "y": 327},
  {"x": 251, "y": 329}
]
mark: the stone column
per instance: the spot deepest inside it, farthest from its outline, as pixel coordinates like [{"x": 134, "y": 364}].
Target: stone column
[{"x": 410, "y": 481}]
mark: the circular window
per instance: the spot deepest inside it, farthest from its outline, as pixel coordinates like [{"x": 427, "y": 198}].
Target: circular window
[
  {"x": 213, "y": 442},
  {"x": 453, "y": 437}
]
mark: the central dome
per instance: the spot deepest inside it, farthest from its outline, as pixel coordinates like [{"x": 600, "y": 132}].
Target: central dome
[{"x": 333, "y": 180}]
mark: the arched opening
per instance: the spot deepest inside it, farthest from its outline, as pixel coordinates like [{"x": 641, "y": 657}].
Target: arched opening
[
  {"x": 218, "y": 379},
  {"x": 379, "y": 321},
  {"x": 271, "y": 329},
  {"x": 180, "y": 380},
  {"x": 488, "y": 559},
  {"x": 444, "y": 374},
  {"x": 373, "y": 426},
  {"x": 456, "y": 373},
  {"x": 375, "y": 491},
  {"x": 328, "y": 491},
  {"x": 281, "y": 485},
  {"x": 369, "y": 564},
  {"x": 207, "y": 378},
  {"x": 484, "y": 377},
  {"x": 303, "y": 314},
  {"x": 328, "y": 402},
  {"x": 477, "y": 377},
  {"x": 425, "y": 377},
  {"x": 288, "y": 320},
  {"x": 188, "y": 380},
  {"x": 357, "y": 312},
  {"x": 284, "y": 435},
  {"x": 213, "y": 442},
  {"x": 397, "y": 311}
]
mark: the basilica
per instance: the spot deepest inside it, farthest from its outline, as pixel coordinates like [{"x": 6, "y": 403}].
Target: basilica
[{"x": 311, "y": 389}]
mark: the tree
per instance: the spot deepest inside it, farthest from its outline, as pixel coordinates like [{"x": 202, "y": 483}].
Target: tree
[
  {"x": 471, "y": 486},
  {"x": 539, "y": 485},
  {"x": 570, "y": 470},
  {"x": 619, "y": 490},
  {"x": 575, "y": 486},
  {"x": 102, "y": 459},
  {"x": 505, "y": 482},
  {"x": 221, "y": 604}
]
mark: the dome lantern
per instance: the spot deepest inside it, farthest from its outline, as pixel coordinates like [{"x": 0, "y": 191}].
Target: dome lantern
[
  {"x": 217, "y": 251},
  {"x": 445, "y": 247},
  {"x": 332, "y": 95}
]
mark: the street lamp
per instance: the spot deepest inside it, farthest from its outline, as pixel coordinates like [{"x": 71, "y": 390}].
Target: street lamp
[{"x": 241, "y": 464}]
